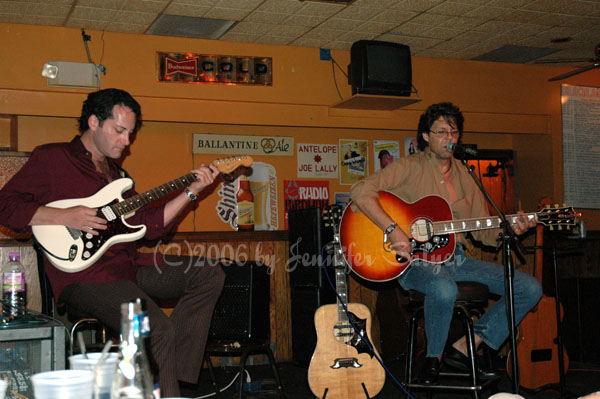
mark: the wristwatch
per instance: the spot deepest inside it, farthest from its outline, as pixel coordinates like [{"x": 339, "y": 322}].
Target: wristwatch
[
  {"x": 190, "y": 194},
  {"x": 390, "y": 228}
]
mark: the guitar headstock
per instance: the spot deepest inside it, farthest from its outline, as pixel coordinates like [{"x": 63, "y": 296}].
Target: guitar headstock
[
  {"x": 558, "y": 216},
  {"x": 332, "y": 216},
  {"x": 228, "y": 165}
]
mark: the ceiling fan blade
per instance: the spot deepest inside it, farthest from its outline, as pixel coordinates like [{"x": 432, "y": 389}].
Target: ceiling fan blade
[
  {"x": 559, "y": 60},
  {"x": 575, "y": 72}
]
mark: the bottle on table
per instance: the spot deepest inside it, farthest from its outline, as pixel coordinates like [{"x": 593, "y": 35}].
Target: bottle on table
[
  {"x": 13, "y": 287},
  {"x": 133, "y": 379}
]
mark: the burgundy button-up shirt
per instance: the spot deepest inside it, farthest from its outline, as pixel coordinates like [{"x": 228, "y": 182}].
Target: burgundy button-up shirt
[{"x": 65, "y": 170}]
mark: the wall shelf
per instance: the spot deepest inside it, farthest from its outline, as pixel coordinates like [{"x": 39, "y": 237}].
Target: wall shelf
[{"x": 375, "y": 102}]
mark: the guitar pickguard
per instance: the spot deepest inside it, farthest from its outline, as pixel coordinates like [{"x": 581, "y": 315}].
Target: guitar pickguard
[
  {"x": 426, "y": 247},
  {"x": 361, "y": 341}
]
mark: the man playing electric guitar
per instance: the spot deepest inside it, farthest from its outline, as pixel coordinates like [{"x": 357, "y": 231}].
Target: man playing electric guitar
[
  {"x": 108, "y": 122},
  {"x": 434, "y": 171}
]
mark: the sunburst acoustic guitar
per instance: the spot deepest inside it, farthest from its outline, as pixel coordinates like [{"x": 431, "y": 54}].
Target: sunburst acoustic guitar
[
  {"x": 72, "y": 250},
  {"x": 430, "y": 228},
  {"x": 343, "y": 365}
]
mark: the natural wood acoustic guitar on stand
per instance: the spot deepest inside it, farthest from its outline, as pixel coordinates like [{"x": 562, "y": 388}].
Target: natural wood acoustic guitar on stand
[
  {"x": 537, "y": 349},
  {"x": 344, "y": 365}
]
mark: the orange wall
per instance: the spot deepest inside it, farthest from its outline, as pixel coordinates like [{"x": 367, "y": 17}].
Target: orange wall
[{"x": 505, "y": 106}]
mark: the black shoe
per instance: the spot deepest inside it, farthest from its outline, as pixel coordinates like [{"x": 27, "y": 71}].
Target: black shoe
[
  {"x": 455, "y": 359},
  {"x": 430, "y": 372}
]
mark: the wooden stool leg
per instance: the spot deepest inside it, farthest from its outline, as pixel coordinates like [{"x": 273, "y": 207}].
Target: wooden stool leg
[{"x": 211, "y": 373}]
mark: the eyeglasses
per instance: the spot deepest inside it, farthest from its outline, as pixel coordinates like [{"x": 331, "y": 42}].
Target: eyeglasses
[{"x": 445, "y": 132}]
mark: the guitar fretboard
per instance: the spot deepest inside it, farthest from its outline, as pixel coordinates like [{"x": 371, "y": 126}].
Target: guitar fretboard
[
  {"x": 340, "y": 280},
  {"x": 131, "y": 204},
  {"x": 464, "y": 225}
]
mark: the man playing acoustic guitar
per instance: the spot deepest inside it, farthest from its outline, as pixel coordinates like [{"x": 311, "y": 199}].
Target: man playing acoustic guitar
[
  {"x": 108, "y": 122},
  {"x": 434, "y": 171}
]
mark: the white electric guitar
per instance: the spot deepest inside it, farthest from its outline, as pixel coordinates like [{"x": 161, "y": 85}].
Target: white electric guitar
[{"x": 72, "y": 250}]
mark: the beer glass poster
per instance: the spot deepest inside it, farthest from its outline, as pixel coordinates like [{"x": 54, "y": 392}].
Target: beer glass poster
[{"x": 354, "y": 160}]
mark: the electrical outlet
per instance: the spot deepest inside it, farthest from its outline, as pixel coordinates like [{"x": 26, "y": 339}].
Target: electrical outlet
[{"x": 325, "y": 54}]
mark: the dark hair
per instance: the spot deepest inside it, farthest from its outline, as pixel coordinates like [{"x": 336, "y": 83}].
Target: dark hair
[
  {"x": 101, "y": 104},
  {"x": 383, "y": 153},
  {"x": 448, "y": 111}
]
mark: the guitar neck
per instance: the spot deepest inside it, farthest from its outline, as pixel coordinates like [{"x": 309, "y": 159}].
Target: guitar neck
[
  {"x": 340, "y": 279},
  {"x": 137, "y": 201},
  {"x": 465, "y": 225}
]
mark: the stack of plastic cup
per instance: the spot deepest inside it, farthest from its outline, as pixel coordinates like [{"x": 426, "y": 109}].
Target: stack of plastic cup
[
  {"x": 104, "y": 372},
  {"x": 3, "y": 386},
  {"x": 63, "y": 384}
]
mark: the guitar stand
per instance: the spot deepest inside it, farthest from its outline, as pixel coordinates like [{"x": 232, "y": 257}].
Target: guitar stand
[{"x": 364, "y": 387}]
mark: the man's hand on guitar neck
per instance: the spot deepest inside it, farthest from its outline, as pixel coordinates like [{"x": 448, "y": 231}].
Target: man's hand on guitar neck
[
  {"x": 523, "y": 224},
  {"x": 205, "y": 176}
]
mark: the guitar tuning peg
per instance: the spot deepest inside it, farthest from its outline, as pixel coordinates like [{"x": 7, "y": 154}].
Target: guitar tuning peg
[
  {"x": 556, "y": 205},
  {"x": 560, "y": 227},
  {"x": 551, "y": 228},
  {"x": 547, "y": 206},
  {"x": 564, "y": 205}
]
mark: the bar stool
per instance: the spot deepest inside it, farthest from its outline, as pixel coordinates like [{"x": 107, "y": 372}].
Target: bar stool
[
  {"x": 471, "y": 301},
  {"x": 243, "y": 350}
]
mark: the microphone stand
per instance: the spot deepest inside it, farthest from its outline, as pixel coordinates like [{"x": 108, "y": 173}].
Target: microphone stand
[{"x": 508, "y": 235}]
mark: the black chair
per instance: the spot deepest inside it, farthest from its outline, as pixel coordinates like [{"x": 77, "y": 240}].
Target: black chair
[
  {"x": 243, "y": 350},
  {"x": 471, "y": 301},
  {"x": 99, "y": 334}
]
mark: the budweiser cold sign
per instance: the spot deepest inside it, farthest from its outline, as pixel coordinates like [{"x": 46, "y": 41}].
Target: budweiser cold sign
[{"x": 211, "y": 68}]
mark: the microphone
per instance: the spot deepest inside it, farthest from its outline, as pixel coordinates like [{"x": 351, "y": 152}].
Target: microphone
[{"x": 461, "y": 150}]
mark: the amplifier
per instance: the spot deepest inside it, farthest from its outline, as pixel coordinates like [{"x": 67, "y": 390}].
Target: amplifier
[{"x": 242, "y": 312}]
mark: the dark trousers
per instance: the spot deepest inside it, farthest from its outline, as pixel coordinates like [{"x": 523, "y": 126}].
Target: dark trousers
[{"x": 176, "y": 342}]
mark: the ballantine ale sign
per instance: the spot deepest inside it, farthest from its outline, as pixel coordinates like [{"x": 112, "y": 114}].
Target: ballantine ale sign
[{"x": 206, "y": 143}]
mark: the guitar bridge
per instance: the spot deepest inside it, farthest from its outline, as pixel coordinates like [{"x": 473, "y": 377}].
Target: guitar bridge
[{"x": 346, "y": 362}]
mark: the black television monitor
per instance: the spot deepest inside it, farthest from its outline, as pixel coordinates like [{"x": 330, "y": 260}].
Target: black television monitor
[{"x": 378, "y": 67}]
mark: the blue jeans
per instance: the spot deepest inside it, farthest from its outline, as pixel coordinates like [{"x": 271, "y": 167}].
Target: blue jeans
[{"x": 438, "y": 283}]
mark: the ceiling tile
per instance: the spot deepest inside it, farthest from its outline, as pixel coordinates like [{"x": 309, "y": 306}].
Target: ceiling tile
[
  {"x": 339, "y": 45},
  {"x": 394, "y": 16},
  {"x": 323, "y": 34},
  {"x": 204, "y": 3},
  {"x": 186, "y": 10},
  {"x": 288, "y": 31},
  {"x": 126, "y": 27},
  {"x": 231, "y": 14},
  {"x": 451, "y": 8},
  {"x": 358, "y": 13},
  {"x": 266, "y": 17},
  {"x": 339, "y": 24},
  {"x": 355, "y": 36},
  {"x": 12, "y": 18},
  {"x": 461, "y": 23},
  {"x": 85, "y": 23},
  {"x": 441, "y": 33},
  {"x": 496, "y": 26},
  {"x": 280, "y": 6},
  {"x": 106, "y": 4},
  {"x": 305, "y": 42},
  {"x": 250, "y": 28},
  {"x": 50, "y": 10},
  {"x": 376, "y": 28},
  {"x": 486, "y": 13},
  {"x": 508, "y": 3},
  {"x": 305, "y": 20},
  {"x": 135, "y": 18},
  {"x": 247, "y": 5},
  {"x": 240, "y": 37},
  {"x": 435, "y": 53},
  {"x": 381, "y": 4},
  {"x": 420, "y": 42},
  {"x": 473, "y": 2},
  {"x": 417, "y": 5},
  {"x": 522, "y": 16},
  {"x": 145, "y": 5},
  {"x": 546, "y": 5},
  {"x": 93, "y": 14},
  {"x": 411, "y": 29},
  {"x": 13, "y": 7},
  {"x": 42, "y": 20},
  {"x": 319, "y": 9},
  {"x": 429, "y": 19},
  {"x": 277, "y": 40}
]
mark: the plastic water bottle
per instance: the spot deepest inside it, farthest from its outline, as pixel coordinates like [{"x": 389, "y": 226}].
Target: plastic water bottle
[
  {"x": 132, "y": 379},
  {"x": 13, "y": 287}
]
